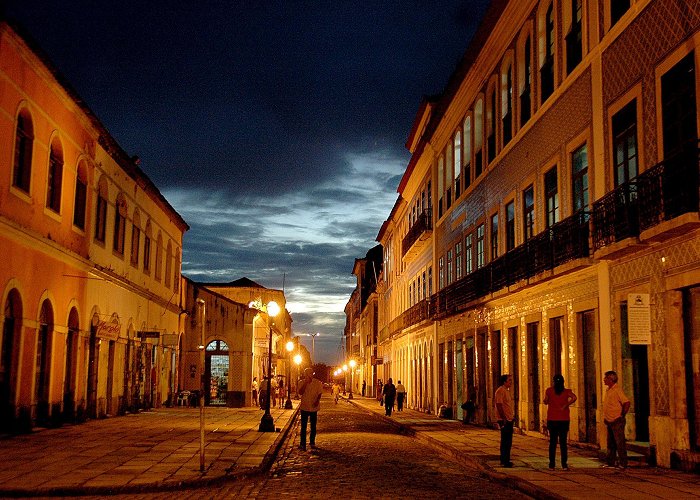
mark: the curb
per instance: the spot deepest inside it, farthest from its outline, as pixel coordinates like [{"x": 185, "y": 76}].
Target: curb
[
  {"x": 482, "y": 468},
  {"x": 163, "y": 486}
]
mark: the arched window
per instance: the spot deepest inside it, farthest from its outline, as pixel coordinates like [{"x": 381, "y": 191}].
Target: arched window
[
  {"x": 135, "y": 238},
  {"x": 101, "y": 210},
  {"x": 547, "y": 46},
  {"x": 478, "y": 137},
  {"x": 525, "y": 83},
  {"x": 9, "y": 353},
  {"x": 71, "y": 367},
  {"x": 574, "y": 38},
  {"x": 24, "y": 143},
  {"x": 457, "y": 147},
  {"x": 42, "y": 382},
  {"x": 120, "y": 214},
  {"x": 55, "y": 178},
  {"x": 159, "y": 257},
  {"x": 80, "y": 199},
  {"x": 147, "y": 238},
  {"x": 507, "y": 100},
  {"x": 168, "y": 263},
  {"x": 491, "y": 113},
  {"x": 467, "y": 151}
]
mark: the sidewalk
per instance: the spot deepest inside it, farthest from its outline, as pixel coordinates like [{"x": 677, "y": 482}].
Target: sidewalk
[
  {"x": 478, "y": 448},
  {"x": 153, "y": 450}
]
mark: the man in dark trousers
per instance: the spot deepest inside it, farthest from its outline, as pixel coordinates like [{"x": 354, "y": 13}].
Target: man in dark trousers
[
  {"x": 505, "y": 413},
  {"x": 389, "y": 393}
]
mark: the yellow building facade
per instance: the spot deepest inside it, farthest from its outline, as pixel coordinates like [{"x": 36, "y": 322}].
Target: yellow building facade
[
  {"x": 91, "y": 258},
  {"x": 547, "y": 223}
]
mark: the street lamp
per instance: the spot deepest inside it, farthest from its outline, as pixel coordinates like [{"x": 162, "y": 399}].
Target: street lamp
[
  {"x": 352, "y": 376},
  {"x": 313, "y": 346},
  {"x": 267, "y": 423},
  {"x": 345, "y": 370},
  {"x": 297, "y": 361},
  {"x": 288, "y": 403},
  {"x": 202, "y": 364}
]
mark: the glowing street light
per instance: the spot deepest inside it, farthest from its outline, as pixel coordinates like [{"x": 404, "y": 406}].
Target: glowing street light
[{"x": 267, "y": 423}]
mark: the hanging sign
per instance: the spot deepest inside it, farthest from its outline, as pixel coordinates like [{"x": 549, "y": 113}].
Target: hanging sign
[
  {"x": 108, "y": 329},
  {"x": 638, "y": 319}
]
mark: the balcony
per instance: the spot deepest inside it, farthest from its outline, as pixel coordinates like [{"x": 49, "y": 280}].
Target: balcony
[
  {"x": 417, "y": 237},
  {"x": 411, "y": 316},
  {"x": 564, "y": 242},
  {"x": 658, "y": 204}
]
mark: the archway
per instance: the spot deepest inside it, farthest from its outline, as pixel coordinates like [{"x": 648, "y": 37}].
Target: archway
[
  {"x": 9, "y": 354},
  {"x": 216, "y": 373}
]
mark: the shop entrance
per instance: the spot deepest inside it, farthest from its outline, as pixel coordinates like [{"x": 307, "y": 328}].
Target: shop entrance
[
  {"x": 691, "y": 316},
  {"x": 216, "y": 373}
]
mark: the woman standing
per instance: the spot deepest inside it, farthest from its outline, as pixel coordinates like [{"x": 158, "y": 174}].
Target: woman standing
[{"x": 558, "y": 399}]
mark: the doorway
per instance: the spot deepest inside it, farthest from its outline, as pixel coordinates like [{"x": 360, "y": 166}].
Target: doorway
[
  {"x": 514, "y": 370},
  {"x": 691, "y": 338},
  {"x": 216, "y": 373},
  {"x": 588, "y": 336},
  {"x": 635, "y": 379},
  {"x": 533, "y": 368}
]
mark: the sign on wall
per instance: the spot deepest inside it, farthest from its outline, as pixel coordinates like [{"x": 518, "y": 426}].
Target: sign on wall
[
  {"x": 108, "y": 329},
  {"x": 638, "y": 319}
]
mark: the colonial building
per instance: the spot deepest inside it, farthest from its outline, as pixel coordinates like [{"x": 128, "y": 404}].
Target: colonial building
[
  {"x": 238, "y": 328},
  {"x": 91, "y": 258},
  {"x": 547, "y": 222},
  {"x": 362, "y": 324}
]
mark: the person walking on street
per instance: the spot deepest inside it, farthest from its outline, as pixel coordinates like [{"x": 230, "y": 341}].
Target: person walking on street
[
  {"x": 558, "y": 399},
  {"x": 273, "y": 392},
  {"x": 615, "y": 407},
  {"x": 505, "y": 413},
  {"x": 311, "y": 390},
  {"x": 255, "y": 391},
  {"x": 336, "y": 391},
  {"x": 364, "y": 388},
  {"x": 389, "y": 393},
  {"x": 400, "y": 395}
]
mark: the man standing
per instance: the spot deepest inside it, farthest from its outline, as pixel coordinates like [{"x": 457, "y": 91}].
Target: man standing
[
  {"x": 615, "y": 407},
  {"x": 389, "y": 393},
  {"x": 400, "y": 396},
  {"x": 506, "y": 413},
  {"x": 311, "y": 390}
]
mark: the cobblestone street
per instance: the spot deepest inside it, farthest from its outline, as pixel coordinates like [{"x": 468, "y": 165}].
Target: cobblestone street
[{"x": 359, "y": 456}]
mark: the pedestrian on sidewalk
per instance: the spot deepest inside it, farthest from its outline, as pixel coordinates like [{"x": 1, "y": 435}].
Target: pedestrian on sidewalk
[
  {"x": 389, "y": 393},
  {"x": 506, "y": 413},
  {"x": 380, "y": 395},
  {"x": 558, "y": 399},
  {"x": 273, "y": 392},
  {"x": 336, "y": 392},
  {"x": 615, "y": 407},
  {"x": 400, "y": 396},
  {"x": 255, "y": 391},
  {"x": 311, "y": 390},
  {"x": 364, "y": 388}
]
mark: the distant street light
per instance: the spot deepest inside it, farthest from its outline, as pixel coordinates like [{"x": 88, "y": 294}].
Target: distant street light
[
  {"x": 267, "y": 423},
  {"x": 313, "y": 346}
]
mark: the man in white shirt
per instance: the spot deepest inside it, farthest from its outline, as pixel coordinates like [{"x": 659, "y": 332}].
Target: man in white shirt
[{"x": 311, "y": 390}]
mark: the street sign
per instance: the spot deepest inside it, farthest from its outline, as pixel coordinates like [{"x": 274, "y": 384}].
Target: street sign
[{"x": 149, "y": 335}]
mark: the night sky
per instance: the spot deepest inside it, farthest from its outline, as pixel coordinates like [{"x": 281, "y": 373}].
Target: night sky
[{"x": 277, "y": 129}]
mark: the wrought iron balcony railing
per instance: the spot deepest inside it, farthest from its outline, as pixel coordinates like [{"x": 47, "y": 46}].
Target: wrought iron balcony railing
[
  {"x": 663, "y": 192},
  {"x": 423, "y": 223}
]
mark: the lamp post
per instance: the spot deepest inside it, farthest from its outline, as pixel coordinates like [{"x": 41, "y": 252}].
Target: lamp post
[
  {"x": 345, "y": 372},
  {"x": 352, "y": 376},
  {"x": 267, "y": 423},
  {"x": 202, "y": 364},
  {"x": 297, "y": 361},
  {"x": 288, "y": 403},
  {"x": 313, "y": 346}
]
